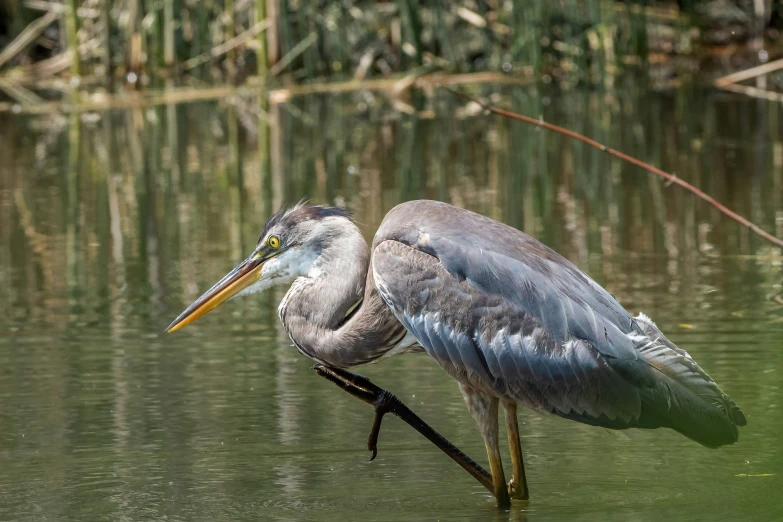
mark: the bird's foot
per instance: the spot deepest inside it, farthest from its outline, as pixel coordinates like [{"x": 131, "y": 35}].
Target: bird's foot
[
  {"x": 385, "y": 402},
  {"x": 517, "y": 490},
  {"x": 362, "y": 388}
]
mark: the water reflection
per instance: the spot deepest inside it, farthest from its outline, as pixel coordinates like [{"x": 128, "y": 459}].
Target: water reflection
[{"x": 111, "y": 222}]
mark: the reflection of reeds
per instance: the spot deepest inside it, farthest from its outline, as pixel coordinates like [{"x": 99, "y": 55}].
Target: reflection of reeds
[{"x": 515, "y": 172}]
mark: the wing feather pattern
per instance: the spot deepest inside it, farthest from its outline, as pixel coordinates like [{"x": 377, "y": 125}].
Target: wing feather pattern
[{"x": 500, "y": 311}]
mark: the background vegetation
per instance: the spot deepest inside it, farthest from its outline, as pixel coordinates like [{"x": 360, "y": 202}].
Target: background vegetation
[{"x": 138, "y": 42}]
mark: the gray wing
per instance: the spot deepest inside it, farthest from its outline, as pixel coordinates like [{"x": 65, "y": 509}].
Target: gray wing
[{"x": 501, "y": 311}]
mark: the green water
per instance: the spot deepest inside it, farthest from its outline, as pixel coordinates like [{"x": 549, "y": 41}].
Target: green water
[{"x": 112, "y": 222}]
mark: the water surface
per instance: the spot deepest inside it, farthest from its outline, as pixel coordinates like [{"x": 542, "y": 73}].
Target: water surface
[{"x": 112, "y": 222}]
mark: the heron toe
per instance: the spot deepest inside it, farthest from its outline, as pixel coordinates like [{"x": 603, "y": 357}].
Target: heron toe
[{"x": 517, "y": 490}]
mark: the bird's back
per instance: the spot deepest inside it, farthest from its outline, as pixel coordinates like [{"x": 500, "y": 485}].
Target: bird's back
[{"x": 501, "y": 311}]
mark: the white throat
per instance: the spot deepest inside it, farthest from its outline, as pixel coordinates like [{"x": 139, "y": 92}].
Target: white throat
[{"x": 285, "y": 269}]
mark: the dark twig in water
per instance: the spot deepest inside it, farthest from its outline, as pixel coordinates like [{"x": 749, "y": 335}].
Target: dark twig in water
[
  {"x": 385, "y": 402},
  {"x": 625, "y": 157}
]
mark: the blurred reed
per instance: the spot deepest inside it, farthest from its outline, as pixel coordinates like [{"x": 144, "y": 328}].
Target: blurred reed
[{"x": 569, "y": 40}]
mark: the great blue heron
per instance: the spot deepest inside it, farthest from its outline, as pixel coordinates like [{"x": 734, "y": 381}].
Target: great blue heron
[{"x": 510, "y": 319}]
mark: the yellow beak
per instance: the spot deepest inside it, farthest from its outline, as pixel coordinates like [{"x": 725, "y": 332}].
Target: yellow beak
[{"x": 244, "y": 275}]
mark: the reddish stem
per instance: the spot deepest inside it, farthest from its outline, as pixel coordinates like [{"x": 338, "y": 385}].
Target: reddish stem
[{"x": 671, "y": 178}]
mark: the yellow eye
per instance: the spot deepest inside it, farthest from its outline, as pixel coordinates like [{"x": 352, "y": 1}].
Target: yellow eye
[{"x": 274, "y": 241}]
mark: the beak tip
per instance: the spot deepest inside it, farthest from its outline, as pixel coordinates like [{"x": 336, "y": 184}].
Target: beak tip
[
  {"x": 173, "y": 327},
  {"x": 232, "y": 283}
]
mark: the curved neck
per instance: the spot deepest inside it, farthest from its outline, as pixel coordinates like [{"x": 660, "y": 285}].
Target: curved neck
[{"x": 335, "y": 314}]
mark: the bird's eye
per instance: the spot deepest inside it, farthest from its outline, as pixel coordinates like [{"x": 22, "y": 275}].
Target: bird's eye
[{"x": 274, "y": 241}]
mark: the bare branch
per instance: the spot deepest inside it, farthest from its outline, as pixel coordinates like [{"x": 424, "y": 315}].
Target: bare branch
[{"x": 625, "y": 157}]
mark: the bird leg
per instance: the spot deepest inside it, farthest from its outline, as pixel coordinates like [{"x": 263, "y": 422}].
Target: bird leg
[
  {"x": 484, "y": 408},
  {"x": 517, "y": 486},
  {"x": 385, "y": 402}
]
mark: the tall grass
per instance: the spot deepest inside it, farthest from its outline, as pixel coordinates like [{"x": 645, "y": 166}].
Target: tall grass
[{"x": 134, "y": 40}]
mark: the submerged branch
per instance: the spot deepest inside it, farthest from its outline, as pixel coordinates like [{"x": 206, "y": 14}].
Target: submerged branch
[{"x": 671, "y": 178}]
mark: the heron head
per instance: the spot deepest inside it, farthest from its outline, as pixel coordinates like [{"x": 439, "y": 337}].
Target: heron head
[{"x": 294, "y": 243}]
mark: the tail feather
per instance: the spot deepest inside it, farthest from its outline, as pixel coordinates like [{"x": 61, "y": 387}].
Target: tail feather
[{"x": 684, "y": 396}]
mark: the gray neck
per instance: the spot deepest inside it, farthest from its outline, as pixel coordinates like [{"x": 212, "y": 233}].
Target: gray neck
[{"x": 321, "y": 314}]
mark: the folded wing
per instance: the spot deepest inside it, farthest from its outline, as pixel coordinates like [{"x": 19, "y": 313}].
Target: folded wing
[{"x": 501, "y": 311}]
